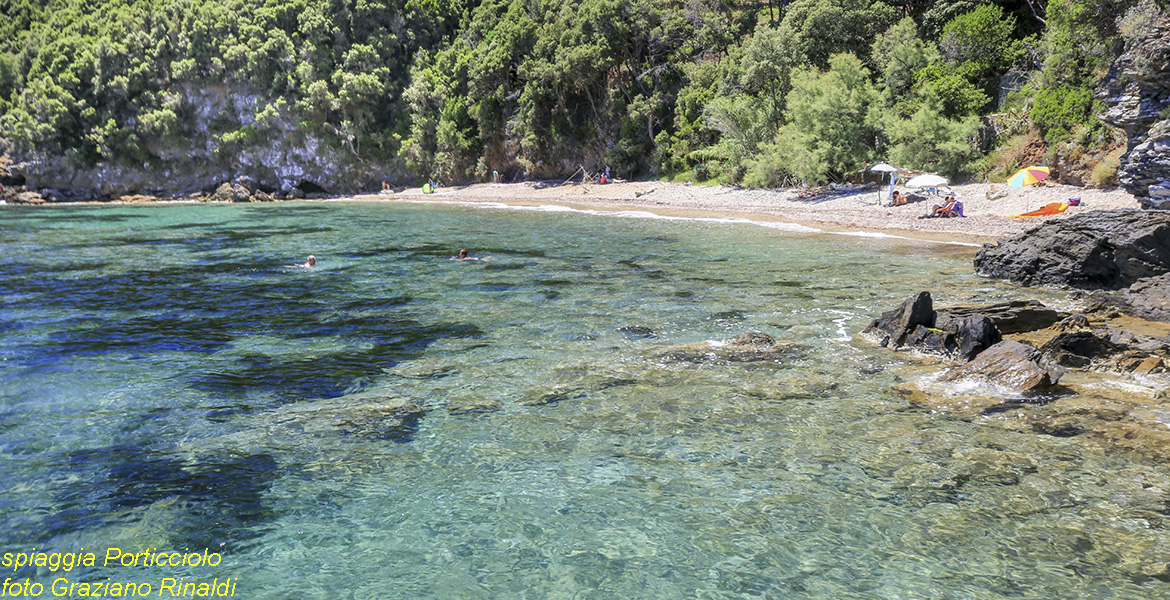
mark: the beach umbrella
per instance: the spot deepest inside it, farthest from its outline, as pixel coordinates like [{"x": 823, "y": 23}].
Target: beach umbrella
[
  {"x": 1028, "y": 176},
  {"x": 885, "y": 168},
  {"x": 928, "y": 180}
]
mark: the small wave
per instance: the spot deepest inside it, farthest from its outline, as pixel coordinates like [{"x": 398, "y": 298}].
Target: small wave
[{"x": 641, "y": 214}]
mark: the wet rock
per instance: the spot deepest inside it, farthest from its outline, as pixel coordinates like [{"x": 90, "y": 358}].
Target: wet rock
[
  {"x": 424, "y": 368},
  {"x": 749, "y": 347},
  {"x": 1010, "y": 364},
  {"x": 893, "y": 327},
  {"x": 961, "y": 333},
  {"x": 472, "y": 405},
  {"x": 1153, "y": 345},
  {"x": 1147, "y": 298},
  {"x": 1121, "y": 337},
  {"x": 1136, "y": 437},
  {"x": 551, "y": 394},
  {"x": 262, "y": 196},
  {"x": 1016, "y": 316},
  {"x": 974, "y": 334},
  {"x": 296, "y": 193},
  {"x": 1079, "y": 348},
  {"x": 1057, "y": 426},
  {"x": 1076, "y": 322}
]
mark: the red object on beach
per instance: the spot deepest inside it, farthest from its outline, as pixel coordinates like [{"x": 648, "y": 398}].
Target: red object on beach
[{"x": 1054, "y": 208}]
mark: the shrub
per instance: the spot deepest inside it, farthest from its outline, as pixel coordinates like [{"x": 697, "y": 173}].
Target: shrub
[
  {"x": 1105, "y": 172},
  {"x": 1057, "y": 111}
]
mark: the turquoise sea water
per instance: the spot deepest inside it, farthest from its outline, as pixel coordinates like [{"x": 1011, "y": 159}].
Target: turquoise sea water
[{"x": 167, "y": 383}]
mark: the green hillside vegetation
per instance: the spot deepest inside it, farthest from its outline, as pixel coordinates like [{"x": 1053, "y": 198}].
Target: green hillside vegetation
[{"x": 762, "y": 92}]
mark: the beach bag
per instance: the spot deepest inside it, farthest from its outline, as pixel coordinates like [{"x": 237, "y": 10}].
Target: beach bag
[{"x": 1074, "y": 201}]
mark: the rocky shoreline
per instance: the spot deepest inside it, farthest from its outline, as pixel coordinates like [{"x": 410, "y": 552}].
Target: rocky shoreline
[
  {"x": 239, "y": 191},
  {"x": 1018, "y": 357}
]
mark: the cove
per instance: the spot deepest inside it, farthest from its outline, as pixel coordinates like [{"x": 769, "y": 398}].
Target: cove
[{"x": 394, "y": 424}]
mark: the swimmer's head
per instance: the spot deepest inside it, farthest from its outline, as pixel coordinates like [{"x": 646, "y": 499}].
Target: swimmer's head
[
  {"x": 312, "y": 260},
  {"x": 462, "y": 254}
]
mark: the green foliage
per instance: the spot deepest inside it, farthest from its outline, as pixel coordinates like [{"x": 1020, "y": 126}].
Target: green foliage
[
  {"x": 900, "y": 56},
  {"x": 1080, "y": 41},
  {"x": 1058, "y": 110},
  {"x": 941, "y": 12},
  {"x": 929, "y": 140},
  {"x": 97, "y": 78},
  {"x": 830, "y": 130},
  {"x": 822, "y": 28},
  {"x": 980, "y": 43},
  {"x": 714, "y": 90},
  {"x": 958, "y": 95}
]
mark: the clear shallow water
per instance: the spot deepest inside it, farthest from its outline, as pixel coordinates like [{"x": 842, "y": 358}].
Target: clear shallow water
[{"x": 167, "y": 383}]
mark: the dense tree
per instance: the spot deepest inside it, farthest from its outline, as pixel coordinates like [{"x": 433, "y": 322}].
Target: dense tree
[{"x": 733, "y": 90}]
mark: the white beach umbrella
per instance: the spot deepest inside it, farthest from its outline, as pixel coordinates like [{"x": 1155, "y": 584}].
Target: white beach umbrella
[
  {"x": 885, "y": 168},
  {"x": 928, "y": 180}
]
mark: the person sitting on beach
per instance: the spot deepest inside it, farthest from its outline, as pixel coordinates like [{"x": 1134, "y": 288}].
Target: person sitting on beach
[
  {"x": 946, "y": 209},
  {"x": 463, "y": 256},
  {"x": 898, "y": 200}
]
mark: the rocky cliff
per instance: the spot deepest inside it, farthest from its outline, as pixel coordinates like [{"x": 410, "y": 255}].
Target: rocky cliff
[
  {"x": 1137, "y": 92},
  {"x": 270, "y": 153}
]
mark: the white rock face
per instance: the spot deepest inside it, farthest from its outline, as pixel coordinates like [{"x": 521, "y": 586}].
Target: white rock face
[{"x": 274, "y": 153}]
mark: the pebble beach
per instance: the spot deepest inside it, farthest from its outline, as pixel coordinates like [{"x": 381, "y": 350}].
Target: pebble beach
[{"x": 985, "y": 218}]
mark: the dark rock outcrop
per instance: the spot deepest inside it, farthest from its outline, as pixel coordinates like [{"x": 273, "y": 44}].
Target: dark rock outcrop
[
  {"x": 894, "y": 327},
  {"x": 1016, "y": 316},
  {"x": 1137, "y": 91},
  {"x": 1097, "y": 250},
  {"x": 1147, "y": 298},
  {"x": 1079, "y": 348},
  {"x": 1010, "y": 364},
  {"x": 916, "y": 325}
]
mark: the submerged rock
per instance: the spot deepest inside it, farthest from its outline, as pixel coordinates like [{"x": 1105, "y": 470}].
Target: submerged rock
[
  {"x": 472, "y": 404},
  {"x": 749, "y": 347},
  {"x": 1011, "y": 364}
]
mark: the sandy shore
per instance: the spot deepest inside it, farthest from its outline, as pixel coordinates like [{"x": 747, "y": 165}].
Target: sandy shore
[{"x": 986, "y": 219}]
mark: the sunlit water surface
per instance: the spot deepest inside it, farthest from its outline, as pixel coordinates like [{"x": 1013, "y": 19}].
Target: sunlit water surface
[{"x": 161, "y": 368}]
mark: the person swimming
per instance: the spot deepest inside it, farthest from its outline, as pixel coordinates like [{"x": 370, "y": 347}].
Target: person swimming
[
  {"x": 308, "y": 264},
  {"x": 463, "y": 256}
]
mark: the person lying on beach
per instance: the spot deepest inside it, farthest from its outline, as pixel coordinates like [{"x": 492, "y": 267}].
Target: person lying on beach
[
  {"x": 309, "y": 263},
  {"x": 463, "y": 256}
]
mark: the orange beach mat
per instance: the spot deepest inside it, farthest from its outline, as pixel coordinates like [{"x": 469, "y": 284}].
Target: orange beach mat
[{"x": 1054, "y": 208}]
